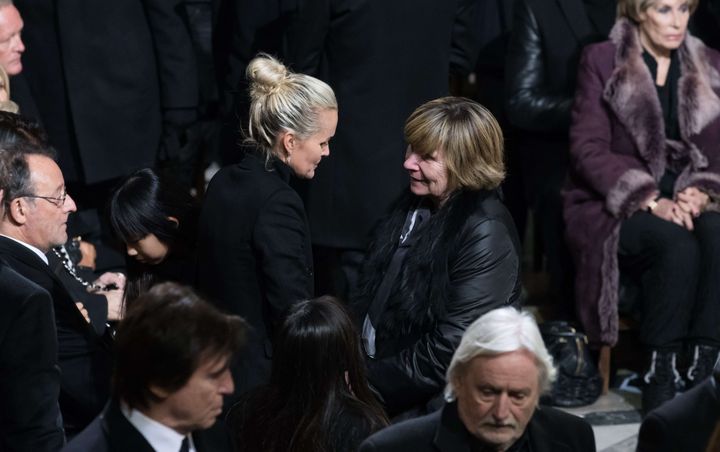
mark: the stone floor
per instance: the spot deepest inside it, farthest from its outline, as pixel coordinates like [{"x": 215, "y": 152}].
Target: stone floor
[{"x": 615, "y": 420}]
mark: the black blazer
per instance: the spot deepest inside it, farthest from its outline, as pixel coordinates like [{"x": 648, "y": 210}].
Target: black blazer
[
  {"x": 550, "y": 430},
  {"x": 29, "y": 375},
  {"x": 112, "y": 432},
  {"x": 126, "y": 66},
  {"x": 684, "y": 423},
  {"x": 383, "y": 59},
  {"x": 254, "y": 254},
  {"x": 84, "y": 357}
]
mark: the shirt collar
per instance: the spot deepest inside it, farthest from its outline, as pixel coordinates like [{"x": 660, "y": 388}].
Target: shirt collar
[
  {"x": 161, "y": 437},
  {"x": 35, "y": 250}
]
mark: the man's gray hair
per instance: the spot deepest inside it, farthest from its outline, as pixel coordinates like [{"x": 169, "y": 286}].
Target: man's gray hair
[
  {"x": 501, "y": 331},
  {"x": 5, "y": 3}
]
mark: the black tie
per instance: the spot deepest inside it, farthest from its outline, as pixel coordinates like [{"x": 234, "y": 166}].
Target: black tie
[{"x": 185, "y": 446}]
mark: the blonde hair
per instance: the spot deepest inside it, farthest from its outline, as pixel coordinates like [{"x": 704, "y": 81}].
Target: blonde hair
[
  {"x": 469, "y": 137},
  {"x": 631, "y": 9},
  {"x": 6, "y": 105},
  {"x": 281, "y": 100}
]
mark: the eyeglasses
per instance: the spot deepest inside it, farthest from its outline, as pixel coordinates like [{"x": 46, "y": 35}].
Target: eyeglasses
[{"x": 55, "y": 201}]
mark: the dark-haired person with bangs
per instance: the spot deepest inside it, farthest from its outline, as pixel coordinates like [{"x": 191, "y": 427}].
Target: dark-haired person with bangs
[
  {"x": 447, "y": 254},
  {"x": 318, "y": 397},
  {"x": 171, "y": 374},
  {"x": 157, "y": 222}
]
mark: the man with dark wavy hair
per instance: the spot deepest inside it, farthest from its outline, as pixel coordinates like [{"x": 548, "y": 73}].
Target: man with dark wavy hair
[{"x": 171, "y": 373}]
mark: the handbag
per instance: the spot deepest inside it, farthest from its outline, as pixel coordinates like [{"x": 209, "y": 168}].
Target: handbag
[{"x": 578, "y": 381}]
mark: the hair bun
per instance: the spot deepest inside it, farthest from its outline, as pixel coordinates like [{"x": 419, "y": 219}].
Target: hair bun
[{"x": 266, "y": 74}]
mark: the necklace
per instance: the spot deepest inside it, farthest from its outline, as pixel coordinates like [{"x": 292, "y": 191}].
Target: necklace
[{"x": 62, "y": 253}]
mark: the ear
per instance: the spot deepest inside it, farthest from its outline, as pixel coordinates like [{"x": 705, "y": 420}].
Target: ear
[
  {"x": 457, "y": 381},
  {"x": 18, "y": 211},
  {"x": 159, "y": 392},
  {"x": 289, "y": 142},
  {"x": 172, "y": 219}
]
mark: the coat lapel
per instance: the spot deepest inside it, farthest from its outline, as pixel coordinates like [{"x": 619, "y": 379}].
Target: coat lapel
[
  {"x": 698, "y": 104},
  {"x": 576, "y": 17},
  {"x": 451, "y": 435},
  {"x": 543, "y": 440},
  {"x": 631, "y": 94},
  {"x": 121, "y": 434},
  {"x": 27, "y": 257}
]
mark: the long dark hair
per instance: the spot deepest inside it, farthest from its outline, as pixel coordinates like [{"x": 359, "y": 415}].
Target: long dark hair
[
  {"x": 318, "y": 384},
  {"x": 143, "y": 204}
]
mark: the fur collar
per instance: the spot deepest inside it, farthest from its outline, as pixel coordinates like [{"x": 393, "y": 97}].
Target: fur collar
[
  {"x": 631, "y": 94},
  {"x": 419, "y": 296}
]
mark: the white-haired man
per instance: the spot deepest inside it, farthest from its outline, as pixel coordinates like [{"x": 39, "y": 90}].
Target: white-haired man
[{"x": 494, "y": 380}]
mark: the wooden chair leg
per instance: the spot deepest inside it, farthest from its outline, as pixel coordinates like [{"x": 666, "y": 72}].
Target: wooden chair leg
[{"x": 604, "y": 367}]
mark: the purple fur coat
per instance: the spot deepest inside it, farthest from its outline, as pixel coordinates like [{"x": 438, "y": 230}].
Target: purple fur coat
[{"x": 618, "y": 154}]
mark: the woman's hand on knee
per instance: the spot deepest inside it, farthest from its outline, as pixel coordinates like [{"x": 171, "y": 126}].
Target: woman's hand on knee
[
  {"x": 692, "y": 201},
  {"x": 671, "y": 211}
]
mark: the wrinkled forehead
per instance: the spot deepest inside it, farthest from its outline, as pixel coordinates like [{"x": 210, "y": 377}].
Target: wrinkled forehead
[
  {"x": 45, "y": 174},
  {"x": 10, "y": 22}
]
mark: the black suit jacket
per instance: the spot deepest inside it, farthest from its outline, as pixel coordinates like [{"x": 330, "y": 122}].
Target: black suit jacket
[
  {"x": 83, "y": 356},
  {"x": 103, "y": 76},
  {"x": 383, "y": 59},
  {"x": 112, "y": 432},
  {"x": 683, "y": 424},
  {"x": 254, "y": 255},
  {"x": 549, "y": 430},
  {"x": 29, "y": 375}
]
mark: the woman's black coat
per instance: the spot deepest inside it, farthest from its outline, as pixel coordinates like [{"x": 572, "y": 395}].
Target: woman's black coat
[
  {"x": 254, "y": 254},
  {"x": 464, "y": 262}
]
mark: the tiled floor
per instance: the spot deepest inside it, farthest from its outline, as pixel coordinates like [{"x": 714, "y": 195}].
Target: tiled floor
[{"x": 620, "y": 409}]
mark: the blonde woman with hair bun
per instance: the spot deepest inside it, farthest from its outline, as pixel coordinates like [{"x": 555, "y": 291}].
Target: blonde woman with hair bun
[{"x": 254, "y": 252}]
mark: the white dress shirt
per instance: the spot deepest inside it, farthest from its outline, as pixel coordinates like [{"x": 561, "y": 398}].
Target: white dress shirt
[
  {"x": 161, "y": 437},
  {"x": 40, "y": 254}
]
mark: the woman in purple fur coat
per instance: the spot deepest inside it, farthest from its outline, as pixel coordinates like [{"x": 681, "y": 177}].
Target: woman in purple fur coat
[{"x": 644, "y": 188}]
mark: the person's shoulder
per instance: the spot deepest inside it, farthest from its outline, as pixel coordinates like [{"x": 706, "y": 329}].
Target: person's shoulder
[
  {"x": 557, "y": 425},
  {"x": 601, "y": 51},
  {"x": 14, "y": 282},
  {"x": 92, "y": 438},
  {"x": 399, "y": 436},
  {"x": 710, "y": 55},
  {"x": 488, "y": 215}
]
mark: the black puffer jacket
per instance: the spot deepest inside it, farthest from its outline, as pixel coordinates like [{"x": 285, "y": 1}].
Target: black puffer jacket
[{"x": 464, "y": 262}]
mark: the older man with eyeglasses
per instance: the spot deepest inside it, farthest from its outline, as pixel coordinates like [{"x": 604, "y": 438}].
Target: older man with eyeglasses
[{"x": 34, "y": 220}]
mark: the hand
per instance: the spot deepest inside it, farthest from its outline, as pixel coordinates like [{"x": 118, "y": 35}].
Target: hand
[
  {"x": 692, "y": 201},
  {"x": 671, "y": 211},
  {"x": 88, "y": 255},
  {"x": 108, "y": 278},
  {"x": 115, "y": 304},
  {"x": 83, "y": 311}
]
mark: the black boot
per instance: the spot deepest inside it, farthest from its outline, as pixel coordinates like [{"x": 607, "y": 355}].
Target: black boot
[
  {"x": 660, "y": 380},
  {"x": 703, "y": 362}
]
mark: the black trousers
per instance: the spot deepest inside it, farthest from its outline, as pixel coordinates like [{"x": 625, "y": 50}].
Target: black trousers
[{"x": 679, "y": 275}]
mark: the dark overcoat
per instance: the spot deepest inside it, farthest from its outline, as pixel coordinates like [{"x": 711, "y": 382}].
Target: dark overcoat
[
  {"x": 666, "y": 428},
  {"x": 124, "y": 65},
  {"x": 84, "y": 356},
  {"x": 619, "y": 152},
  {"x": 29, "y": 374},
  {"x": 112, "y": 432},
  {"x": 549, "y": 430},
  {"x": 254, "y": 254}
]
